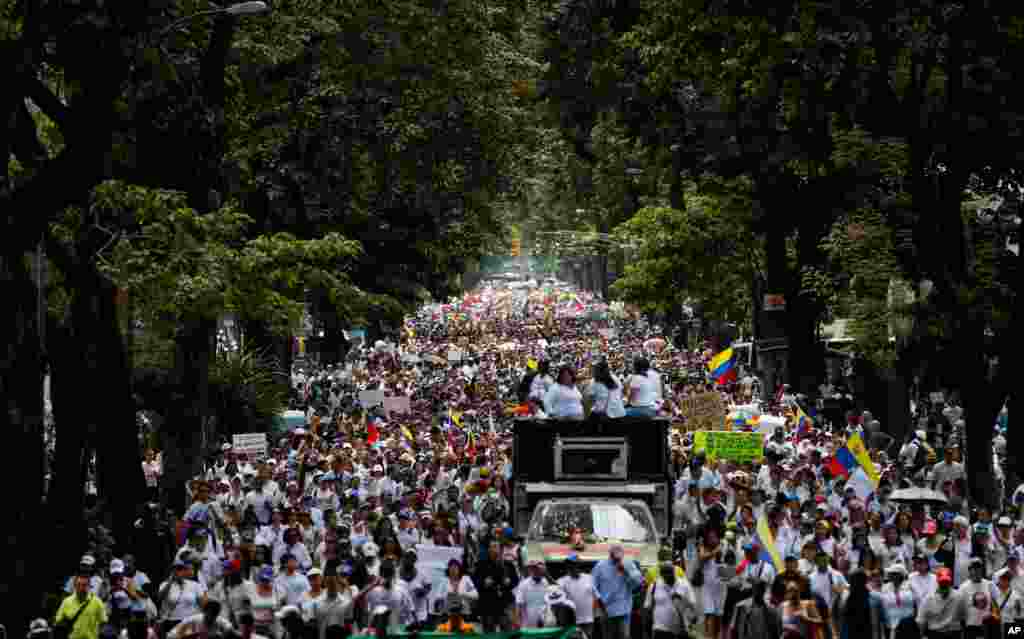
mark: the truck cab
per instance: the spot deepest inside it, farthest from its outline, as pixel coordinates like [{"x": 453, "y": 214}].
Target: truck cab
[{"x": 581, "y": 487}]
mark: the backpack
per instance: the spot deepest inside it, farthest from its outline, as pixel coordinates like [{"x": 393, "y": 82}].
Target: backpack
[{"x": 523, "y": 392}]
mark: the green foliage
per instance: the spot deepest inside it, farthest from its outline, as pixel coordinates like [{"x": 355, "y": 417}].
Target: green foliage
[
  {"x": 180, "y": 264},
  {"x": 700, "y": 255},
  {"x": 245, "y": 393}
]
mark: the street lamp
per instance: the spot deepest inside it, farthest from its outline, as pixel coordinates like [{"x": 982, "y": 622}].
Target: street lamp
[{"x": 252, "y": 7}]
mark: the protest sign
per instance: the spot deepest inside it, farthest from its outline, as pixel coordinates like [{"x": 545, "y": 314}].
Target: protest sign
[
  {"x": 737, "y": 447},
  {"x": 455, "y": 355},
  {"x": 432, "y": 566},
  {"x": 251, "y": 444},
  {"x": 398, "y": 404},
  {"x": 703, "y": 411},
  {"x": 370, "y": 398}
]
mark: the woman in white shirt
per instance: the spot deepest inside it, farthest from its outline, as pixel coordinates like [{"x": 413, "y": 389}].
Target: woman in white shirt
[
  {"x": 563, "y": 399},
  {"x": 456, "y": 584},
  {"x": 643, "y": 392},
  {"x": 606, "y": 392}
]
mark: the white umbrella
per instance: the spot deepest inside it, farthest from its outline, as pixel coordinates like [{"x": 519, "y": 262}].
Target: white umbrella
[{"x": 919, "y": 496}]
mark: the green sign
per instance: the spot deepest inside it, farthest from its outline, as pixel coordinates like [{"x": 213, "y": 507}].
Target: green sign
[{"x": 737, "y": 447}]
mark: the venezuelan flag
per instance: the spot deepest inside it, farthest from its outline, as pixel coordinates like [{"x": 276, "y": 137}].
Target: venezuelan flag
[
  {"x": 856, "y": 447},
  {"x": 843, "y": 463},
  {"x": 804, "y": 424},
  {"x": 723, "y": 366},
  {"x": 764, "y": 538}
]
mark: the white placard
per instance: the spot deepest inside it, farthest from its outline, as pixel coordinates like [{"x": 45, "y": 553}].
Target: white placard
[
  {"x": 400, "y": 404},
  {"x": 937, "y": 398},
  {"x": 455, "y": 355},
  {"x": 251, "y": 444},
  {"x": 370, "y": 398}
]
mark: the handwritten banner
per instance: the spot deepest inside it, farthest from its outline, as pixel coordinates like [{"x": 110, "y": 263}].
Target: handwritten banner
[
  {"x": 737, "y": 447},
  {"x": 703, "y": 411}
]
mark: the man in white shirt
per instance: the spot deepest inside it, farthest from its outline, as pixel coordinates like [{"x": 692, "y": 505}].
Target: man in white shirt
[
  {"x": 826, "y": 582},
  {"x": 922, "y": 581},
  {"x": 672, "y": 603},
  {"x": 976, "y": 595},
  {"x": 947, "y": 469},
  {"x": 579, "y": 588},
  {"x": 941, "y": 614}
]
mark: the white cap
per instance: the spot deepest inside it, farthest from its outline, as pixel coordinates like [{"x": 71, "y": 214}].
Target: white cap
[
  {"x": 378, "y": 468},
  {"x": 116, "y": 567},
  {"x": 370, "y": 549},
  {"x": 288, "y": 610},
  {"x": 87, "y": 560},
  {"x": 315, "y": 572},
  {"x": 226, "y": 447}
]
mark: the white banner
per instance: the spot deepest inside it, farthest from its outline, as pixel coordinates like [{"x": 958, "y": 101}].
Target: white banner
[
  {"x": 432, "y": 564},
  {"x": 252, "y": 444}
]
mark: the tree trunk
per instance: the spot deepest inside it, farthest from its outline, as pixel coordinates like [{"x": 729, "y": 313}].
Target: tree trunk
[
  {"x": 183, "y": 429},
  {"x": 22, "y": 422},
  {"x": 66, "y": 498},
  {"x": 119, "y": 462}
]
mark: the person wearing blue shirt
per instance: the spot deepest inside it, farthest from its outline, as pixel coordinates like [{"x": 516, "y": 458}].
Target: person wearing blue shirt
[{"x": 614, "y": 584}]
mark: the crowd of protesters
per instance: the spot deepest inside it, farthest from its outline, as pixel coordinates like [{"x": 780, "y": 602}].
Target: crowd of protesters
[{"x": 323, "y": 535}]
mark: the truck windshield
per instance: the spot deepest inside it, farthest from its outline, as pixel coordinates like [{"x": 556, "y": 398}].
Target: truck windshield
[{"x": 599, "y": 522}]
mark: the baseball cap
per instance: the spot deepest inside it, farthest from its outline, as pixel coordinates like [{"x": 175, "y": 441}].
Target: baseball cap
[
  {"x": 116, "y": 567},
  {"x": 288, "y": 611},
  {"x": 87, "y": 560},
  {"x": 315, "y": 572},
  {"x": 370, "y": 549},
  {"x": 39, "y": 626},
  {"x": 1004, "y": 521},
  {"x": 944, "y": 576},
  {"x": 266, "y": 574}
]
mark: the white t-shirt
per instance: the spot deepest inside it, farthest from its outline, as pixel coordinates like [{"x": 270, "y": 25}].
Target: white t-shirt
[
  {"x": 182, "y": 600},
  {"x": 530, "y": 597},
  {"x": 563, "y": 401},
  {"x": 608, "y": 401},
  {"x": 643, "y": 391},
  {"x": 670, "y": 616},
  {"x": 581, "y": 592}
]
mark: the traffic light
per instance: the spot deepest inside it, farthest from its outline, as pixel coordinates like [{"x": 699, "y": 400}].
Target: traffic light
[{"x": 515, "y": 247}]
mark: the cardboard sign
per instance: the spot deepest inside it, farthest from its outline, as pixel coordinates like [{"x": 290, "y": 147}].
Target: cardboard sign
[
  {"x": 400, "y": 404},
  {"x": 730, "y": 446},
  {"x": 370, "y": 398},
  {"x": 251, "y": 444},
  {"x": 703, "y": 411}
]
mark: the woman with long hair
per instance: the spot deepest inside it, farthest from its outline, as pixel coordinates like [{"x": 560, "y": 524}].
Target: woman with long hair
[
  {"x": 643, "y": 392},
  {"x": 563, "y": 399},
  {"x": 860, "y": 612},
  {"x": 710, "y": 554},
  {"x": 605, "y": 392}
]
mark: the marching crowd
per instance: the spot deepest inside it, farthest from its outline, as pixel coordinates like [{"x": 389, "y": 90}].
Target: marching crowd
[{"x": 326, "y": 535}]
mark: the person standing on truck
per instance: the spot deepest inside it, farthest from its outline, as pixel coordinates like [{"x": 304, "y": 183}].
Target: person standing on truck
[{"x": 614, "y": 584}]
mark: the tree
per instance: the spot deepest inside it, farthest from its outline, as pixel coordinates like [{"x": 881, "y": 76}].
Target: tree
[{"x": 700, "y": 254}]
